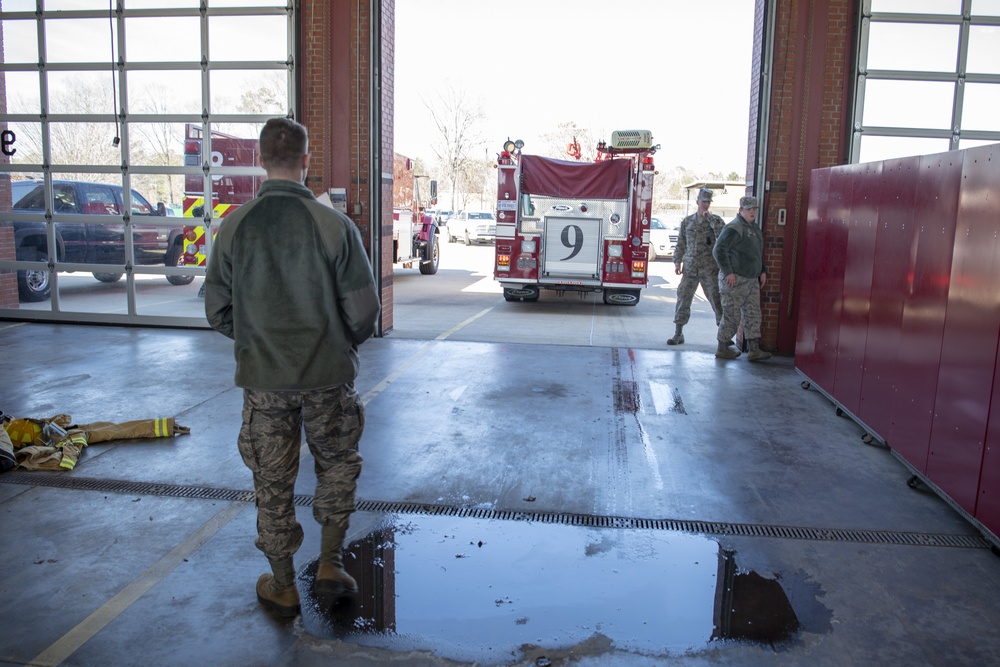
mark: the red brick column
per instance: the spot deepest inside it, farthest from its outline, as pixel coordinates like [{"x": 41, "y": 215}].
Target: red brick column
[
  {"x": 334, "y": 90},
  {"x": 809, "y": 120}
]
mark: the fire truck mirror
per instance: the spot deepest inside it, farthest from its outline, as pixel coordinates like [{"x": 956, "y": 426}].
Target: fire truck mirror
[
  {"x": 161, "y": 209},
  {"x": 434, "y": 190}
]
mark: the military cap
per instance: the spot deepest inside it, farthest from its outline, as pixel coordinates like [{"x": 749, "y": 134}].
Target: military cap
[
  {"x": 748, "y": 202},
  {"x": 705, "y": 194}
]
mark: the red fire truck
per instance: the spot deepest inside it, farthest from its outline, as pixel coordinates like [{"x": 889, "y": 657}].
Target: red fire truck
[
  {"x": 576, "y": 226},
  {"x": 228, "y": 191}
]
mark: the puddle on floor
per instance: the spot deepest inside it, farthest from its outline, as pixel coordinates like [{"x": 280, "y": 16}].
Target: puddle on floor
[{"x": 477, "y": 590}]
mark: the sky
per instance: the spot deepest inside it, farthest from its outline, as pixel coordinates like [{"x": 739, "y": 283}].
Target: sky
[{"x": 678, "y": 69}]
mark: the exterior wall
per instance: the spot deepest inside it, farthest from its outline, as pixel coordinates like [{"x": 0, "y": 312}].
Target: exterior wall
[
  {"x": 335, "y": 77},
  {"x": 388, "y": 141},
  {"x": 808, "y": 117}
]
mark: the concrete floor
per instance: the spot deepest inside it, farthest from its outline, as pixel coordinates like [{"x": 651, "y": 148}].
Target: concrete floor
[{"x": 520, "y": 504}]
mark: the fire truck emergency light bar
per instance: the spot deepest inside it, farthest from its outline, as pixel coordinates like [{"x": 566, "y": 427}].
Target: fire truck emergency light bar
[{"x": 631, "y": 139}]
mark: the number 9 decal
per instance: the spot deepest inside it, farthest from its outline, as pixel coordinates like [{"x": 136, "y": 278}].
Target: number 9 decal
[{"x": 576, "y": 244}]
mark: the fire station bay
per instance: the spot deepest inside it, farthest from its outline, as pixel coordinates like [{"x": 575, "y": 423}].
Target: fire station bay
[{"x": 544, "y": 480}]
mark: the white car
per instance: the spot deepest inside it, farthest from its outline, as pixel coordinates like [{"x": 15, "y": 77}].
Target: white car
[
  {"x": 472, "y": 227},
  {"x": 662, "y": 238}
]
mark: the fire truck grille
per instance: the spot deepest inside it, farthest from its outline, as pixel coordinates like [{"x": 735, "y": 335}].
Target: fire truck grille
[{"x": 718, "y": 528}]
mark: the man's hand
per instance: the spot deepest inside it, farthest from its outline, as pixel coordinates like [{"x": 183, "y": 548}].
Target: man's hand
[
  {"x": 678, "y": 269},
  {"x": 731, "y": 279},
  {"x": 763, "y": 280}
]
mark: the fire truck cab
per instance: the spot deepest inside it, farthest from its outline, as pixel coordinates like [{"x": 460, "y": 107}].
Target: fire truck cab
[{"x": 576, "y": 226}]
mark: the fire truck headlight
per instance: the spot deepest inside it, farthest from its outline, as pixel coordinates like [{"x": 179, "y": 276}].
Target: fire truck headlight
[
  {"x": 529, "y": 247},
  {"x": 615, "y": 251}
]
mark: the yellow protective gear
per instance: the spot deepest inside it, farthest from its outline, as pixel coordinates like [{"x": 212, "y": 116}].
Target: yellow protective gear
[
  {"x": 24, "y": 432},
  {"x": 36, "y": 454}
]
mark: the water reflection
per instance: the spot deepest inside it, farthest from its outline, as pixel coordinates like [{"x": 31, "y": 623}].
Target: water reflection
[{"x": 479, "y": 591}]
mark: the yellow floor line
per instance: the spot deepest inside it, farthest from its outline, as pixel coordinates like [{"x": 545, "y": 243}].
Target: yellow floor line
[
  {"x": 66, "y": 645},
  {"x": 392, "y": 377}
]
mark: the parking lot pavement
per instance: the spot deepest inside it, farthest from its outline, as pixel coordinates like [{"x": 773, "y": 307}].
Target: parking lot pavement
[{"x": 463, "y": 301}]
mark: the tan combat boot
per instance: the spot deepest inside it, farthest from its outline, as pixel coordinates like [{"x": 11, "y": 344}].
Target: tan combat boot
[
  {"x": 755, "y": 353},
  {"x": 726, "y": 352},
  {"x": 331, "y": 577},
  {"x": 276, "y": 589},
  {"x": 678, "y": 338}
]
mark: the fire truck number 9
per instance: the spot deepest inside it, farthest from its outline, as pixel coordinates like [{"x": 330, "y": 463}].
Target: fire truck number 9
[
  {"x": 217, "y": 161},
  {"x": 576, "y": 244}
]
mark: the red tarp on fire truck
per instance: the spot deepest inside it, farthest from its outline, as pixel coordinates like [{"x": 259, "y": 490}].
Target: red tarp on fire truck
[{"x": 585, "y": 180}]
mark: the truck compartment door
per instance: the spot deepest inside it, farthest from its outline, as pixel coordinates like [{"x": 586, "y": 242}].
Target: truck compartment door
[{"x": 572, "y": 247}]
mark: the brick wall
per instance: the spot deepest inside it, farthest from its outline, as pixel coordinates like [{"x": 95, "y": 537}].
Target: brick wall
[
  {"x": 8, "y": 279},
  {"x": 809, "y": 113},
  {"x": 335, "y": 83},
  {"x": 388, "y": 141}
]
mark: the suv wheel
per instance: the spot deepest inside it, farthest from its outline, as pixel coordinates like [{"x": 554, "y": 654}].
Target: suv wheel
[
  {"x": 108, "y": 277},
  {"x": 33, "y": 284}
]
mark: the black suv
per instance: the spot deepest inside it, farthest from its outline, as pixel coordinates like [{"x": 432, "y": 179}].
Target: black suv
[{"x": 88, "y": 242}]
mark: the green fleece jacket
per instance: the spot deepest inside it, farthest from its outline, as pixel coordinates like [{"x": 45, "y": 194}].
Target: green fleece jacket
[
  {"x": 740, "y": 249},
  {"x": 289, "y": 281}
]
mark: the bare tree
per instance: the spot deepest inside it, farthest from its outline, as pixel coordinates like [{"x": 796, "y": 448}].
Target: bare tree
[{"x": 458, "y": 120}]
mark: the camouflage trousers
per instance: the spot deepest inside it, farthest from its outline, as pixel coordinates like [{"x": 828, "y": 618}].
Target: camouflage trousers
[
  {"x": 689, "y": 285},
  {"x": 743, "y": 298},
  {"x": 269, "y": 442}
]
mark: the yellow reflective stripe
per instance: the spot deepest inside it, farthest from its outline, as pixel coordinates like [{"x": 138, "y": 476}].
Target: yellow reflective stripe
[
  {"x": 161, "y": 427},
  {"x": 79, "y": 440},
  {"x": 67, "y": 463}
]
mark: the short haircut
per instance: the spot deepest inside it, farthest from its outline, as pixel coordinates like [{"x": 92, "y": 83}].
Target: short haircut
[{"x": 283, "y": 142}]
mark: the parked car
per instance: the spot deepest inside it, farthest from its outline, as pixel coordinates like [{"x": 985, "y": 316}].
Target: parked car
[
  {"x": 472, "y": 227},
  {"x": 90, "y": 243},
  {"x": 662, "y": 238}
]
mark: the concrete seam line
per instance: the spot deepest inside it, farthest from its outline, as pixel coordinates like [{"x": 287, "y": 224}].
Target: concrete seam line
[{"x": 66, "y": 645}]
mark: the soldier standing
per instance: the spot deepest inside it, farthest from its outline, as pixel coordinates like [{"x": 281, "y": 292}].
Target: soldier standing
[
  {"x": 296, "y": 344},
  {"x": 740, "y": 254},
  {"x": 694, "y": 261}
]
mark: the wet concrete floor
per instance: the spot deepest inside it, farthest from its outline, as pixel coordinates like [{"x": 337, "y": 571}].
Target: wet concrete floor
[
  {"x": 478, "y": 592},
  {"x": 520, "y": 504}
]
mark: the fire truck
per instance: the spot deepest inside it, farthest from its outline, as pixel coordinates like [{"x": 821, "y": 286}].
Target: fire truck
[
  {"x": 228, "y": 191},
  {"x": 415, "y": 232},
  {"x": 576, "y": 226}
]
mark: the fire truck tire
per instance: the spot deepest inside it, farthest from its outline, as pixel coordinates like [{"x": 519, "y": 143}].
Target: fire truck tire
[
  {"x": 529, "y": 294},
  {"x": 33, "y": 285},
  {"x": 624, "y": 297},
  {"x": 176, "y": 258},
  {"x": 431, "y": 267},
  {"x": 108, "y": 277}
]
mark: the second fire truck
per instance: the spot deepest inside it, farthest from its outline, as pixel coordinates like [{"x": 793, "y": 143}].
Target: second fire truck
[{"x": 576, "y": 226}]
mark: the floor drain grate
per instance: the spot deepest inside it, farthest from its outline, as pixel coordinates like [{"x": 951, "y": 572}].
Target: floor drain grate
[{"x": 587, "y": 520}]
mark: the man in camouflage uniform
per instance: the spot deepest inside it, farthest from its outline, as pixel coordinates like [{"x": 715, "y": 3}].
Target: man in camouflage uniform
[
  {"x": 694, "y": 261},
  {"x": 740, "y": 254},
  {"x": 289, "y": 281}
]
